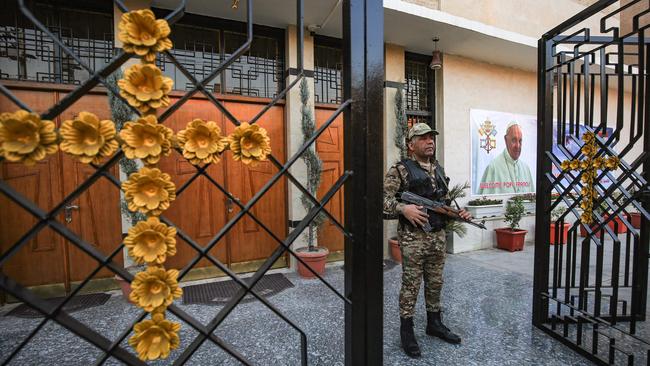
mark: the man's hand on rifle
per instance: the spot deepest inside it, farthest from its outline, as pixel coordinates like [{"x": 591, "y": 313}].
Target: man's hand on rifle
[
  {"x": 464, "y": 215},
  {"x": 414, "y": 215}
]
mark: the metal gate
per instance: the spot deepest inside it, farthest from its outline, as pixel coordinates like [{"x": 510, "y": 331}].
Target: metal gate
[
  {"x": 591, "y": 281},
  {"x": 362, "y": 110}
]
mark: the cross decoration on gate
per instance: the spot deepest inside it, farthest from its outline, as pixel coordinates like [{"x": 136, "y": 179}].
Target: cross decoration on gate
[
  {"x": 25, "y": 138},
  {"x": 589, "y": 167}
]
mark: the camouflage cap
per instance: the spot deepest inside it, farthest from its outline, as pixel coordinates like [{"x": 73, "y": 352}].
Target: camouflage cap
[{"x": 420, "y": 129}]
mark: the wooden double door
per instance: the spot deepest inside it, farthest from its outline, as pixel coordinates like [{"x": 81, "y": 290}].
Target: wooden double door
[{"x": 201, "y": 211}]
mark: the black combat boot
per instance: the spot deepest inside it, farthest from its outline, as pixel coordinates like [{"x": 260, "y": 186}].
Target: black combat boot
[
  {"x": 437, "y": 329},
  {"x": 409, "y": 343}
]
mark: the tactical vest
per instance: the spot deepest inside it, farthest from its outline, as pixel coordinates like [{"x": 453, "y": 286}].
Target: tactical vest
[{"x": 419, "y": 182}]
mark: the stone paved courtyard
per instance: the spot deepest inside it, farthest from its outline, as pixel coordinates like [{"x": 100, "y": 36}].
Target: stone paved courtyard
[{"x": 487, "y": 303}]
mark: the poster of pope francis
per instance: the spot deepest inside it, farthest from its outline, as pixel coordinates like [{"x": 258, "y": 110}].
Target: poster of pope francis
[{"x": 503, "y": 150}]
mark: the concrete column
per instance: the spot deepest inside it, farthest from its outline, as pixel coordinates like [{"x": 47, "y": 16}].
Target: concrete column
[
  {"x": 293, "y": 118},
  {"x": 394, "y": 74}
]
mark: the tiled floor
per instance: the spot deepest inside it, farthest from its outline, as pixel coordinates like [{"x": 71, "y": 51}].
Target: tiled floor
[{"x": 487, "y": 297}]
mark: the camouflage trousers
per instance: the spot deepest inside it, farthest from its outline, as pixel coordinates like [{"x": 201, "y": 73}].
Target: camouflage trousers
[{"x": 423, "y": 256}]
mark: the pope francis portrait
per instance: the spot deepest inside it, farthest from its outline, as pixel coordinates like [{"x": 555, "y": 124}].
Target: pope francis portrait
[{"x": 506, "y": 173}]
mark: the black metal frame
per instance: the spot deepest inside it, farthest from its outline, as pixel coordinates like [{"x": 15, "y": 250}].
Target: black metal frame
[
  {"x": 605, "y": 329},
  {"x": 363, "y": 97}
]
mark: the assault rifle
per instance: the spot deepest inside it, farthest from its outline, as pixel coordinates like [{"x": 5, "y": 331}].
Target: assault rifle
[{"x": 437, "y": 207}]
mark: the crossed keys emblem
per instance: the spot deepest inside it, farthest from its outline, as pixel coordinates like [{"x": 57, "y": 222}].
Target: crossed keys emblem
[{"x": 487, "y": 132}]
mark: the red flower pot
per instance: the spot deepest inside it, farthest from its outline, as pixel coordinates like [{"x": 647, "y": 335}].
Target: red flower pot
[
  {"x": 511, "y": 240},
  {"x": 316, "y": 260},
  {"x": 564, "y": 233},
  {"x": 395, "y": 250},
  {"x": 621, "y": 227},
  {"x": 635, "y": 218}
]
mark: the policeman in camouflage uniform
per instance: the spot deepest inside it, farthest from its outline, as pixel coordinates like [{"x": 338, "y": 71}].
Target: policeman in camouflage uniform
[{"x": 423, "y": 253}]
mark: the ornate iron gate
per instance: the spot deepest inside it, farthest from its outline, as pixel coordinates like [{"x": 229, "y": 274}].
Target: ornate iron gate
[
  {"x": 593, "y": 111},
  {"x": 361, "y": 107}
]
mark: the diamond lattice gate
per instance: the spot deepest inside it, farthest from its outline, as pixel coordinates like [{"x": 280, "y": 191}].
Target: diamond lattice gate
[
  {"x": 591, "y": 242},
  {"x": 361, "y": 109}
]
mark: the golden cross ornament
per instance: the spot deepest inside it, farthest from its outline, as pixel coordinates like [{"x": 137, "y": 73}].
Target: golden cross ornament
[{"x": 589, "y": 166}]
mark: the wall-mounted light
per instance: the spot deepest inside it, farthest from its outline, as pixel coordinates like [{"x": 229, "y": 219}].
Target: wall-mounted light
[
  {"x": 436, "y": 57},
  {"x": 235, "y": 4}
]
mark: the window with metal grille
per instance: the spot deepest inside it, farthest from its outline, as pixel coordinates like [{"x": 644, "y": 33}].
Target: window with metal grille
[
  {"x": 197, "y": 50},
  {"x": 259, "y": 72},
  {"x": 328, "y": 70},
  {"x": 201, "y": 43},
  {"x": 419, "y": 90},
  {"x": 28, "y": 54}
]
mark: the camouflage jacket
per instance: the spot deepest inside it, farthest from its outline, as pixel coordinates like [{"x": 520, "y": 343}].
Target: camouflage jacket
[{"x": 395, "y": 182}]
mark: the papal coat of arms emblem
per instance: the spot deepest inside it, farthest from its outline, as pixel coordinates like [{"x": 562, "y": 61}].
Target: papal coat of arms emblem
[{"x": 487, "y": 133}]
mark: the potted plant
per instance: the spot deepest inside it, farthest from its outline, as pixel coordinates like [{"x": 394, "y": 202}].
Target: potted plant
[
  {"x": 485, "y": 207},
  {"x": 564, "y": 231},
  {"x": 512, "y": 238},
  {"x": 314, "y": 256},
  {"x": 635, "y": 219},
  {"x": 529, "y": 201},
  {"x": 401, "y": 131}
]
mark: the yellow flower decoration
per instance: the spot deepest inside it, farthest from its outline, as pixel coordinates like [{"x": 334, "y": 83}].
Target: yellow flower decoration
[
  {"x": 149, "y": 191},
  {"x": 146, "y": 139},
  {"x": 249, "y": 143},
  {"x": 588, "y": 176},
  {"x": 598, "y": 163},
  {"x": 589, "y": 193},
  {"x": 25, "y": 138},
  {"x": 145, "y": 88},
  {"x": 155, "y": 338},
  {"x": 141, "y": 33},
  {"x": 586, "y": 218},
  {"x": 574, "y": 164},
  {"x": 612, "y": 162},
  {"x": 155, "y": 287},
  {"x": 151, "y": 241},
  {"x": 588, "y": 137},
  {"x": 87, "y": 138},
  {"x": 585, "y": 164},
  {"x": 566, "y": 165},
  {"x": 202, "y": 142},
  {"x": 589, "y": 150}
]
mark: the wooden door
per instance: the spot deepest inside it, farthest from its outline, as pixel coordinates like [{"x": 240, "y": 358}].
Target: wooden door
[
  {"x": 330, "y": 149},
  {"x": 41, "y": 260},
  {"x": 95, "y": 214},
  {"x": 248, "y": 241},
  {"x": 199, "y": 211}
]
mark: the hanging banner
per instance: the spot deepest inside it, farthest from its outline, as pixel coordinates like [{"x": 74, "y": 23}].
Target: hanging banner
[{"x": 503, "y": 152}]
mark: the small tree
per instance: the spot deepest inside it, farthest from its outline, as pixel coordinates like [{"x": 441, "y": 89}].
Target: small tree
[
  {"x": 514, "y": 211},
  {"x": 401, "y": 124},
  {"x": 455, "y": 226},
  {"x": 313, "y": 163},
  {"x": 121, "y": 113}
]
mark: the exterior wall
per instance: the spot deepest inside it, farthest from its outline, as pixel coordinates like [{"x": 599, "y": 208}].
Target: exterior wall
[
  {"x": 394, "y": 73},
  {"x": 529, "y": 17},
  {"x": 472, "y": 84}
]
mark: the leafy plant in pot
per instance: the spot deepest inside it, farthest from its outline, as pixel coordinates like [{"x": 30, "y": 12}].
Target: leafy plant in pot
[
  {"x": 485, "y": 207},
  {"x": 564, "y": 230},
  {"x": 512, "y": 238},
  {"x": 314, "y": 256}
]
